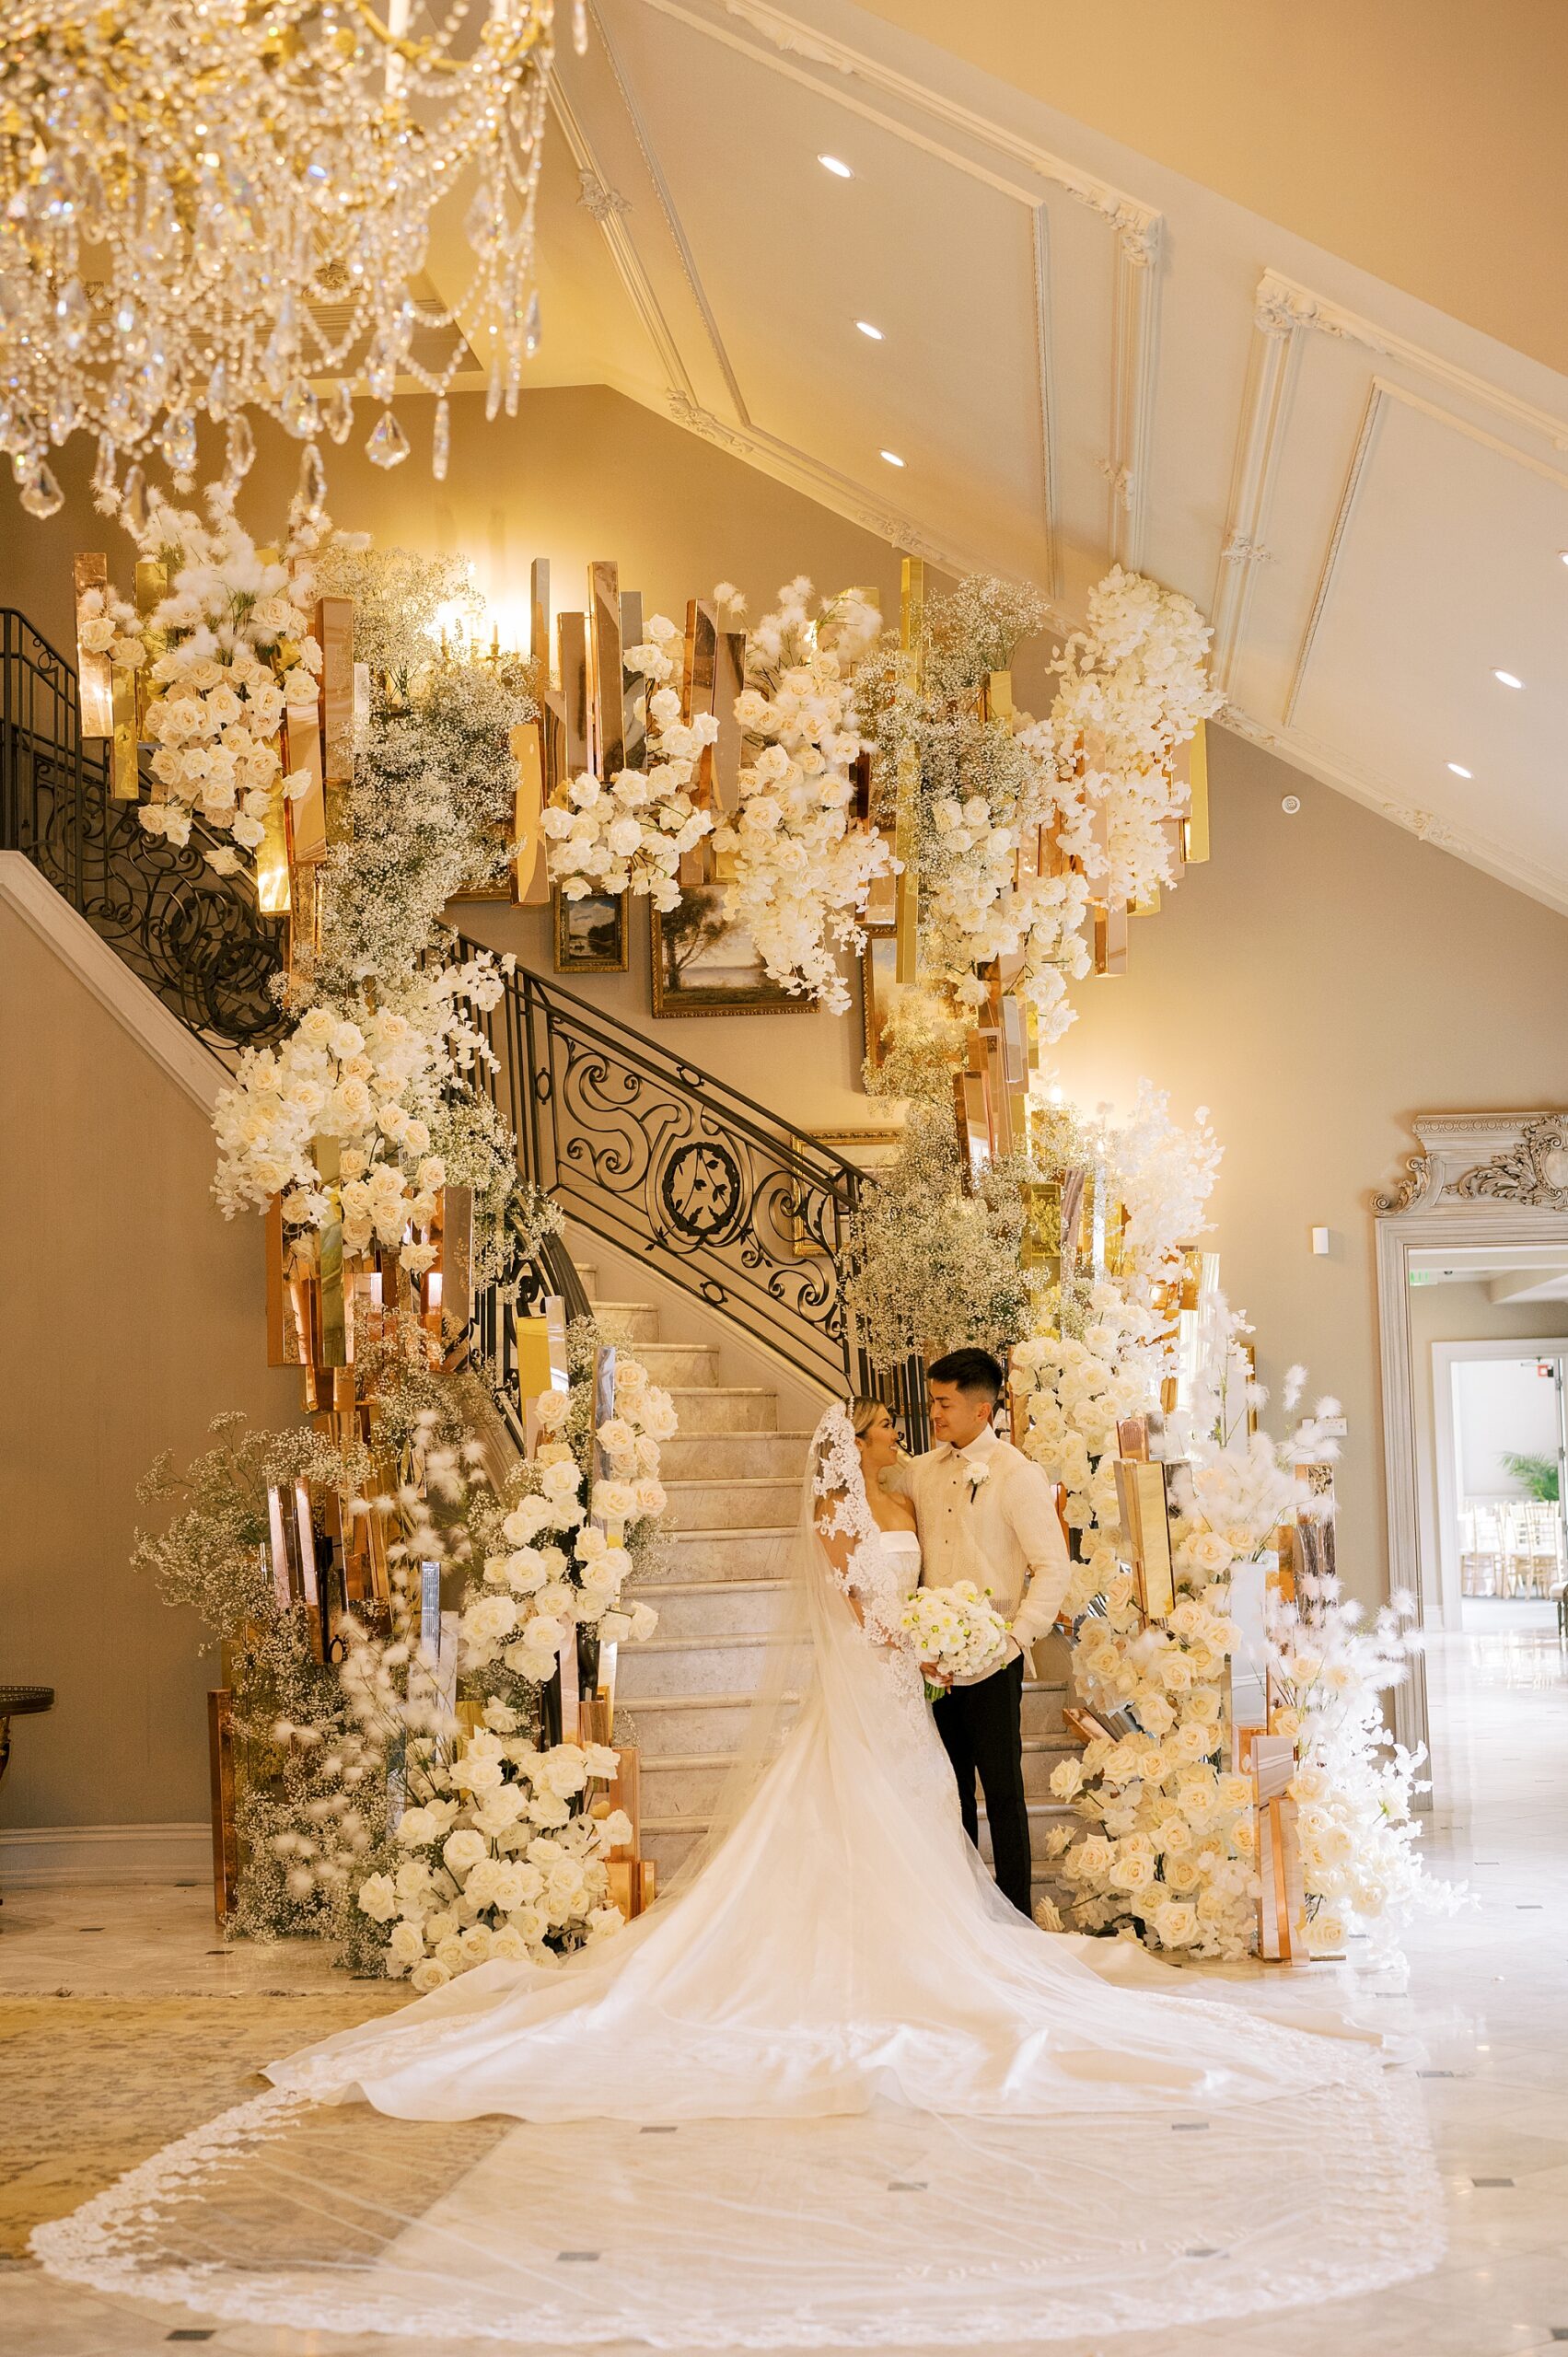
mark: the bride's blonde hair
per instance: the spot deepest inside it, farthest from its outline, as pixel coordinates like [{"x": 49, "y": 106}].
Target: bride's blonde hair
[{"x": 863, "y": 1413}]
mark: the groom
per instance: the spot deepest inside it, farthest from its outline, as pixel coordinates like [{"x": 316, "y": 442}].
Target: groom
[{"x": 986, "y": 1512}]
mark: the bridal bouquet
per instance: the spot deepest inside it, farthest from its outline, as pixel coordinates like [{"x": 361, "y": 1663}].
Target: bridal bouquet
[{"x": 957, "y": 1631}]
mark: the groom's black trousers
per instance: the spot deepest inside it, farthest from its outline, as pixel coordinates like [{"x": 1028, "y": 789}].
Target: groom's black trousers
[{"x": 980, "y": 1727}]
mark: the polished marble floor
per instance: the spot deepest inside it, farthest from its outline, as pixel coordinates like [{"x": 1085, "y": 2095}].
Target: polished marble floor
[{"x": 1485, "y": 1992}]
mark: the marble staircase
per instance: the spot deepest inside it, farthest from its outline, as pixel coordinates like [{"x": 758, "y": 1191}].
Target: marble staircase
[{"x": 733, "y": 1476}]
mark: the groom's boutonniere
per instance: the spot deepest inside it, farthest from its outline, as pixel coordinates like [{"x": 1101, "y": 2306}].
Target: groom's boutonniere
[{"x": 977, "y": 1474}]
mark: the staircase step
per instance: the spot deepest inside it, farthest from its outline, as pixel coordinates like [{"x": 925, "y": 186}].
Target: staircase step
[
  {"x": 718, "y": 1456},
  {"x": 720, "y": 1406},
  {"x": 665, "y": 1725},
  {"x": 683, "y": 1666},
  {"x": 632, "y": 1322},
  {"x": 686, "y": 1557},
  {"x": 683, "y": 1364},
  {"x": 722, "y": 1505},
  {"x": 698, "y": 1609}
]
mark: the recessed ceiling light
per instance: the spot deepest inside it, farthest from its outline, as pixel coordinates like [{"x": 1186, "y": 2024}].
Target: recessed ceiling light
[
  {"x": 1506, "y": 679},
  {"x": 867, "y": 328},
  {"x": 1563, "y": 554},
  {"x": 838, "y": 168},
  {"x": 892, "y": 458},
  {"x": 1460, "y": 770}
]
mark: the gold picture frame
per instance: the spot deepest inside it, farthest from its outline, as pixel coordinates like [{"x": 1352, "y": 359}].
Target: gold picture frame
[
  {"x": 589, "y": 934},
  {"x": 872, "y": 1150},
  {"x": 703, "y": 964}
]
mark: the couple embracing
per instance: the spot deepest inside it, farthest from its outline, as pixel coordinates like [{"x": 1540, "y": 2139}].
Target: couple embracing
[{"x": 981, "y": 1511}]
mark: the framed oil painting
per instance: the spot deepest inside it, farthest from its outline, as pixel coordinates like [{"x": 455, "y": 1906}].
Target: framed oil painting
[
  {"x": 590, "y": 934},
  {"x": 704, "y": 965}
]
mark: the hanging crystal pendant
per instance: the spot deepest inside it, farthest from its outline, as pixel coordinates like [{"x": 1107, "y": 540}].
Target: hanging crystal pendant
[
  {"x": 531, "y": 330},
  {"x": 241, "y": 447},
  {"x": 73, "y": 316},
  {"x": 388, "y": 446},
  {"x": 339, "y": 418},
  {"x": 218, "y": 392},
  {"x": 103, "y": 471},
  {"x": 133, "y": 502},
  {"x": 62, "y": 420},
  {"x": 41, "y": 495},
  {"x": 580, "y": 26},
  {"x": 312, "y": 480},
  {"x": 299, "y": 410},
  {"x": 442, "y": 441},
  {"x": 178, "y": 444},
  {"x": 494, "y": 390}
]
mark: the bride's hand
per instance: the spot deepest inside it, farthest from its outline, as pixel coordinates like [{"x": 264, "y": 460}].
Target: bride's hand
[{"x": 938, "y": 1676}]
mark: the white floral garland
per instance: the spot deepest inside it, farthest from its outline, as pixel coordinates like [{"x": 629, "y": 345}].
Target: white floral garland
[
  {"x": 230, "y": 650},
  {"x": 502, "y": 1851},
  {"x": 628, "y": 833},
  {"x": 803, "y": 867},
  {"x": 371, "y": 1076},
  {"x": 1133, "y": 687},
  {"x": 1171, "y": 1840}
]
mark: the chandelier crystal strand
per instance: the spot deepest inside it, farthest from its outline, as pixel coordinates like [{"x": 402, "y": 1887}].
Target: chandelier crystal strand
[{"x": 210, "y": 205}]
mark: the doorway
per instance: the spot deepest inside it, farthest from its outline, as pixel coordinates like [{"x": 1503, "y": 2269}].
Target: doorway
[{"x": 1500, "y": 1416}]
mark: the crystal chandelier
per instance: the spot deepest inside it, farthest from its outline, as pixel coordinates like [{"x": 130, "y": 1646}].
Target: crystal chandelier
[{"x": 210, "y": 205}]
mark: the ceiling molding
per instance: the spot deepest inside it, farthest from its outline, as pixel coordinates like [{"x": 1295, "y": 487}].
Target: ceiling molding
[
  {"x": 1045, "y": 379},
  {"x": 1137, "y": 225},
  {"x": 1273, "y": 365},
  {"x": 617, "y": 234},
  {"x": 1134, "y": 373},
  {"x": 1354, "y": 476},
  {"x": 1284, "y": 308}
]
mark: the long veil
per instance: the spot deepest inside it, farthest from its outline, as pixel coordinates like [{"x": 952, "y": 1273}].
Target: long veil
[{"x": 831, "y": 2091}]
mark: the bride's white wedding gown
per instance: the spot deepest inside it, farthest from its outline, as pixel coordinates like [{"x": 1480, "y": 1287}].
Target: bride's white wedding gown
[{"x": 835, "y": 2091}]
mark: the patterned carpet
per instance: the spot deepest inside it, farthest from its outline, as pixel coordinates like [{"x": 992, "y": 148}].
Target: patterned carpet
[{"x": 93, "y": 2084}]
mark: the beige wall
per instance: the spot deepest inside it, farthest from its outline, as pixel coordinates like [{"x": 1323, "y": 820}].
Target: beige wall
[{"x": 134, "y": 1313}]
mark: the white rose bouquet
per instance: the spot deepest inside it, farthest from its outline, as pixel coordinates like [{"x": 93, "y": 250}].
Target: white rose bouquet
[{"x": 955, "y": 1630}]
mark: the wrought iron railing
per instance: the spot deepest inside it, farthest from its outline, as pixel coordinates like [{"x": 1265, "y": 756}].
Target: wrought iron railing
[
  {"x": 641, "y": 1148},
  {"x": 192, "y": 936},
  {"x": 691, "y": 1177}
]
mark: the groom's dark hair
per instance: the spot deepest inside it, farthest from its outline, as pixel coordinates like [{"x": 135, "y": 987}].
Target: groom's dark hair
[{"x": 969, "y": 1370}]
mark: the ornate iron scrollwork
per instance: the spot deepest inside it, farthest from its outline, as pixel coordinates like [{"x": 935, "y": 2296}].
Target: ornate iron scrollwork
[{"x": 196, "y": 938}]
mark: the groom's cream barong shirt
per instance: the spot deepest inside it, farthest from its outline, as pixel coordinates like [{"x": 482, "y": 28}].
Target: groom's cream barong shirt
[{"x": 986, "y": 1513}]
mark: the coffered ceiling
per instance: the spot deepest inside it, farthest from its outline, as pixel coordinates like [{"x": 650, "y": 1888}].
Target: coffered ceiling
[{"x": 1084, "y": 357}]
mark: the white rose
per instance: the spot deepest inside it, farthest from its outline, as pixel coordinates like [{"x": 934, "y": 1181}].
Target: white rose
[
  {"x": 428, "y": 1976},
  {"x": 379, "y": 1899},
  {"x": 462, "y": 1851},
  {"x": 407, "y": 1942}
]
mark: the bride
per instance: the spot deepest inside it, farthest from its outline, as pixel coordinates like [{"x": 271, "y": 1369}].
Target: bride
[{"x": 834, "y": 2090}]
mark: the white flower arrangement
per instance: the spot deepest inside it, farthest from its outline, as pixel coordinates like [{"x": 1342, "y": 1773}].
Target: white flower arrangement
[
  {"x": 1171, "y": 1842},
  {"x": 502, "y": 1855},
  {"x": 954, "y": 1630},
  {"x": 501, "y": 1847},
  {"x": 803, "y": 867},
  {"x": 1133, "y": 687},
  {"x": 231, "y": 651},
  {"x": 373, "y": 1076},
  {"x": 628, "y": 833}
]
